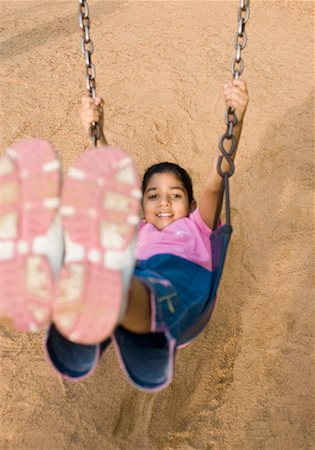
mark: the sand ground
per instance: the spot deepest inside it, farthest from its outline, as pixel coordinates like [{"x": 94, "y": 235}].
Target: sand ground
[{"x": 246, "y": 383}]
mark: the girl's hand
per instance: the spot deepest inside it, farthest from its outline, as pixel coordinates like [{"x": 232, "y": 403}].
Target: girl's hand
[
  {"x": 91, "y": 111},
  {"x": 236, "y": 96}
]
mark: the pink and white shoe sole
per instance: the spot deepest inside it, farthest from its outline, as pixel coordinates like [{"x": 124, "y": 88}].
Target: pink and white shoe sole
[
  {"x": 29, "y": 198},
  {"x": 100, "y": 207}
]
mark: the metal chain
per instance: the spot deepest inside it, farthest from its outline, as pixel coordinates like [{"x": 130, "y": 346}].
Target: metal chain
[
  {"x": 237, "y": 68},
  {"x": 87, "y": 49}
]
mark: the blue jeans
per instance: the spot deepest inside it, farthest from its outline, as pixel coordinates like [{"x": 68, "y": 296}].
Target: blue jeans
[{"x": 180, "y": 308}]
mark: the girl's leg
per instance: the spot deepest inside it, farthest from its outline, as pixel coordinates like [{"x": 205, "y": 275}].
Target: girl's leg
[
  {"x": 100, "y": 206},
  {"x": 138, "y": 314},
  {"x": 31, "y": 245},
  {"x": 77, "y": 361}
]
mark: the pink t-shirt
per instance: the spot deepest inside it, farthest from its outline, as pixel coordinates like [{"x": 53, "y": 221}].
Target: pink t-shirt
[{"x": 188, "y": 238}]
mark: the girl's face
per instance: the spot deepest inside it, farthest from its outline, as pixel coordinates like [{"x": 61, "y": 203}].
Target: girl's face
[{"x": 165, "y": 200}]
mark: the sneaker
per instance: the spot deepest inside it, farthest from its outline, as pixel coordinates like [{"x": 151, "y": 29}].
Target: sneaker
[
  {"x": 100, "y": 206},
  {"x": 30, "y": 238}
]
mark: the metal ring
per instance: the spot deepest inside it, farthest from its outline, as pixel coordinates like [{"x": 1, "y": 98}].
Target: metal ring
[
  {"x": 238, "y": 53},
  {"x": 240, "y": 70},
  {"x": 87, "y": 58},
  {"x": 84, "y": 46},
  {"x": 95, "y": 130},
  {"x": 240, "y": 26},
  {"x": 87, "y": 83},
  {"x": 220, "y": 171},
  {"x": 81, "y": 21},
  {"x": 229, "y": 130},
  {"x": 244, "y": 4},
  {"x": 237, "y": 38},
  {"x": 241, "y": 16},
  {"x": 90, "y": 84},
  {"x": 84, "y": 22},
  {"x": 230, "y": 112},
  {"x": 92, "y": 74},
  {"x": 232, "y": 149},
  {"x": 86, "y": 10},
  {"x": 86, "y": 34}
]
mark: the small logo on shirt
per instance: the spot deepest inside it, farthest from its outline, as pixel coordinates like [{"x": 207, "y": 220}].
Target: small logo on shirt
[{"x": 181, "y": 233}]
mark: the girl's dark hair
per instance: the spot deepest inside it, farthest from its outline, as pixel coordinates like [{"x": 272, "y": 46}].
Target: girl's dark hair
[{"x": 163, "y": 167}]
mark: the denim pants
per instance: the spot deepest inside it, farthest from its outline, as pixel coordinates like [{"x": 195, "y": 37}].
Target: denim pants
[{"x": 180, "y": 309}]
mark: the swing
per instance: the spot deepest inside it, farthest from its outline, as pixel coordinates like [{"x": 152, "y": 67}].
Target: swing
[{"x": 221, "y": 235}]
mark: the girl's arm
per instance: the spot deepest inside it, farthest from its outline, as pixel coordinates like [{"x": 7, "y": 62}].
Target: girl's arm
[{"x": 236, "y": 96}]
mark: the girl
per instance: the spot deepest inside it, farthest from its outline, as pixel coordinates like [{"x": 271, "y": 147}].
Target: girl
[{"x": 141, "y": 286}]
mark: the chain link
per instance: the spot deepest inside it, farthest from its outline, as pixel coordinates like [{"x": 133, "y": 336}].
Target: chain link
[
  {"x": 87, "y": 49},
  {"x": 237, "y": 68}
]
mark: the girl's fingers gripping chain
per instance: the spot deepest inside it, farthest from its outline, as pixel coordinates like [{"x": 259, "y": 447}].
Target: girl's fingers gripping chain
[
  {"x": 91, "y": 111},
  {"x": 236, "y": 96}
]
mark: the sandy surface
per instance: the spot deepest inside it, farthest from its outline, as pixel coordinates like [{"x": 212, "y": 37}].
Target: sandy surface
[{"x": 246, "y": 383}]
